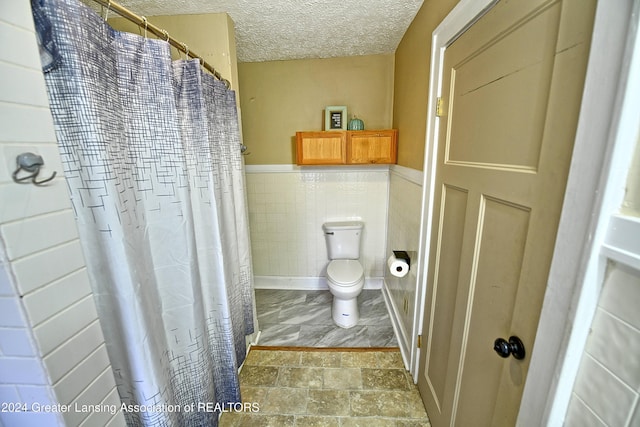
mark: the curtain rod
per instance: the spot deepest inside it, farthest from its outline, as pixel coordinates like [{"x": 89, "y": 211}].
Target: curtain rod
[{"x": 142, "y": 22}]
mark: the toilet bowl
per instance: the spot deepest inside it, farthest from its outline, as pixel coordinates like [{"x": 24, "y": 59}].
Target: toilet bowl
[
  {"x": 345, "y": 275},
  {"x": 345, "y": 278}
]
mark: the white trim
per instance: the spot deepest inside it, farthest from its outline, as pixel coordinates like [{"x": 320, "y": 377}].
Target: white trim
[
  {"x": 463, "y": 15},
  {"x": 622, "y": 241},
  {"x": 289, "y": 168},
  {"x": 396, "y": 323},
  {"x": 411, "y": 175},
  {"x": 255, "y": 341},
  {"x": 595, "y": 185},
  {"x": 305, "y": 283}
]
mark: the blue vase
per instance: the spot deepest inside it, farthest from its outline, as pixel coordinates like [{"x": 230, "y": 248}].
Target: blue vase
[{"x": 355, "y": 124}]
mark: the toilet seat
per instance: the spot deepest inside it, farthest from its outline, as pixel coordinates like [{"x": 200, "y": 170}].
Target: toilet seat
[{"x": 345, "y": 272}]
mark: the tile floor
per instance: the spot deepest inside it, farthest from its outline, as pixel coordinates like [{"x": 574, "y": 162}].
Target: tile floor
[
  {"x": 337, "y": 388},
  {"x": 303, "y": 319}
]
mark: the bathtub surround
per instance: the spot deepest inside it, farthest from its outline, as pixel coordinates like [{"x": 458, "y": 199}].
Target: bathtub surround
[
  {"x": 52, "y": 350},
  {"x": 303, "y": 318}
]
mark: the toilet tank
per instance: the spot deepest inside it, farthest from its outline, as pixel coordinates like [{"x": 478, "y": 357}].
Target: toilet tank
[{"x": 343, "y": 239}]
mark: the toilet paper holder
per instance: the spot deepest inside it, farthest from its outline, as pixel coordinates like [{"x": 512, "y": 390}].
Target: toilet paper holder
[{"x": 403, "y": 255}]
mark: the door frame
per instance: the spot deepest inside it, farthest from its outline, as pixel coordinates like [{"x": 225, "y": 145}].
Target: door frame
[
  {"x": 463, "y": 16},
  {"x": 571, "y": 294}
]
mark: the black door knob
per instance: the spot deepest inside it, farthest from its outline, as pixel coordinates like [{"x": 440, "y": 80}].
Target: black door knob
[{"x": 505, "y": 348}]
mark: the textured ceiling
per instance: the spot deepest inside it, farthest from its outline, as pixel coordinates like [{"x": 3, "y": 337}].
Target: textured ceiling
[{"x": 268, "y": 30}]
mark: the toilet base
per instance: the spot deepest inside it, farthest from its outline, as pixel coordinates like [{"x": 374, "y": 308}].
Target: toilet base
[{"x": 345, "y": 312}]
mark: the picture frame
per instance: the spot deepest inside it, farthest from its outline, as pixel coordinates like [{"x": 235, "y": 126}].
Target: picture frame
[{"x": 335, "y": 117}]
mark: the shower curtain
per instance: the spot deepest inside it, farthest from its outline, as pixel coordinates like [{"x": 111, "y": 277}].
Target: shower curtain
[{"x": 151, "y": 155}]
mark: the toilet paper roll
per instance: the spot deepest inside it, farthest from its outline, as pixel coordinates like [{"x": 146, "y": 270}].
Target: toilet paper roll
[{"x": 397, "y": 267}]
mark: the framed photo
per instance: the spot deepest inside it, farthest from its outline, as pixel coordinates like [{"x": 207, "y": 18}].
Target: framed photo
[{"x": 335, "y": 117}]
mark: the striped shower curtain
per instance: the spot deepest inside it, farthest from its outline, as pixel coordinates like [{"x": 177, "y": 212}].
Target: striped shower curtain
[{"x": 151, "y": 155}]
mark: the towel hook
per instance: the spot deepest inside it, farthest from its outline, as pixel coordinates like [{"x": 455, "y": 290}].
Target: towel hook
[{"x": 31, "y": 163}]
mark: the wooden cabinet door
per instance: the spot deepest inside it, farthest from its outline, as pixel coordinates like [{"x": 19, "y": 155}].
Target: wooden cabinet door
[
  {"x": 366, "y": 147},
  {"x": 321, "y": 148}
]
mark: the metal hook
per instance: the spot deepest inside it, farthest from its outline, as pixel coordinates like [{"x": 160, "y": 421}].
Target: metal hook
[
  {"x": 166, "y": 34},
  {"x": 31, "y": 163},
  {"x": 186, "y": 51},
  {"x": 144, "y": 19},
  {"x": 106, "y": 14}
]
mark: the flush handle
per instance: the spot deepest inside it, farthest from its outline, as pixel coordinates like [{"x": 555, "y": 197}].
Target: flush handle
[
  {"x": 513, "y": 347},
  {"x": 329, "y": 232}
]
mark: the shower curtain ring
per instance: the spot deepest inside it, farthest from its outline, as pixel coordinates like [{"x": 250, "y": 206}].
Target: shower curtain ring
[
  {"x": 165, "y": 34},
  {"x": 106, "y": 13},
  {"x": 144, "y": 19},
  {"x": 186, "y": 50}
]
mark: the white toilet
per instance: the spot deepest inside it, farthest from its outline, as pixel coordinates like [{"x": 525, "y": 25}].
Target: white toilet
[{"x": 345, "y": 274}]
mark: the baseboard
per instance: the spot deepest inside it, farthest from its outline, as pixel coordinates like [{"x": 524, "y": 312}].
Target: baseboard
[
  {"x": 305, "y": 283},
  {"x": 256, "y": 340},
  {"x": 398, "y": 329},
  {"x": 325, "y": 349},
  {"x": 250, "y": 345}
]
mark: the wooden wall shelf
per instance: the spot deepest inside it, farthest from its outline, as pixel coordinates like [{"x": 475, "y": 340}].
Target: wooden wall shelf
[{"x": 351, "y": 147}]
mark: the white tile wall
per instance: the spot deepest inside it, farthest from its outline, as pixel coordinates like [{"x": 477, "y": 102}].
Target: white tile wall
[
  {"x": 89, "y": 397},
  {"x": 287, "y": 207},
  {"x": 72, "y": 385},
  {"x": 102, "y": 417},
  {"x": 580, "y": 414},
  {"x": 607, "y": 389},
  {"x": 51, "y": 347},
  {"x": 405, "y": 206},
  {"x": 15, "y": 342},
  {"x": 6, "y": 288},
  {"x": 51, "y": 299},
  {"x": 64, "y": 358},
  {"x": 65, "y": 325},
  {"x": 36, "y": 234}
]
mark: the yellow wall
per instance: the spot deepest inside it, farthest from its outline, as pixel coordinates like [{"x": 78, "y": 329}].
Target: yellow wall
[
  {"x": 210, "y": 35},
  {"x": 411, "y": 86},
  {"x": 279, "y": 98}
]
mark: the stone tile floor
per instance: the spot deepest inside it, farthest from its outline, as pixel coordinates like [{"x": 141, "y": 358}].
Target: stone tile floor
[
  {"x": 303, "y": 318},
  {"x": 336, "y": 388}
]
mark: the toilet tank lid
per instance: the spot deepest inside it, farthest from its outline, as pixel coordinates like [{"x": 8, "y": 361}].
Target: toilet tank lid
[{"x": 343, "y": 225}]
